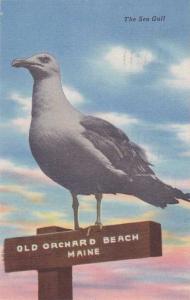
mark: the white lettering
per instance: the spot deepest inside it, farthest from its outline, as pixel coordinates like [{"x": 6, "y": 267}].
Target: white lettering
[
  {"x": 135, "y": 237},
  {"x": 106, "y": 240},
  {"x": 113, "y": 239},
  {"x": 45, "y": 246},
  {"x": 83, "y": 253},
  {"x": 53, "y": 245},
  {"x": 26, "y": 249},
  {"x": 120, "y": 238},
  {"x": 19, "y": 248},
  {"x": 34, "y": 247},
  {"x": 128, "y": 238},
  {"x": 90, "y": 252},
  {"x": 61, "y": 245},
  {"x": 82, "y": 243},
  {"x": 75, "y": 243},
  {"x": 71, "y": 254},
  {"x": 97, "y": 251},
  {"x": 67, "y": 244},
  {"x": 92, "y": 241}
]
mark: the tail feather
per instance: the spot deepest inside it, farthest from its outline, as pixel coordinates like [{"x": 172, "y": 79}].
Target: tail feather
[
  {"x": 181, "y": 195},
  {"x": 187, "y": 197},
  {"x": 152, "y": 190}
]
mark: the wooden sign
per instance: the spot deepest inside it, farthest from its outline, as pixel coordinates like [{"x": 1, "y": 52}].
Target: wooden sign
[{"x": 48, "y": 251}]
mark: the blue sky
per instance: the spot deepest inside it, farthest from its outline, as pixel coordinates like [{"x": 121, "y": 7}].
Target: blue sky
[{"x": 136, "y": 75}]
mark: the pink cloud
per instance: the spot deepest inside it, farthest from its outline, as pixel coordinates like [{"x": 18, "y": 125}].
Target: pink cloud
[
  {"x": 144, "y": 279},
  {"x": 138, "y": 291},
  {"x": 5, "y": 208},
  {"x": 18, "y": 286},
  {"x": 174, "y": 259},
  {"x": 23, "y": 173},
  {"x": 151, "y": 278}
]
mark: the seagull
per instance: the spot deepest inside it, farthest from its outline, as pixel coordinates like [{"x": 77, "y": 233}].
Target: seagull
[{"x": 85, "y": 154}]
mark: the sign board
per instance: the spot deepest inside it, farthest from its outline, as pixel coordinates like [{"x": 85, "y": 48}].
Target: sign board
[{"x": 73, "y": 247}]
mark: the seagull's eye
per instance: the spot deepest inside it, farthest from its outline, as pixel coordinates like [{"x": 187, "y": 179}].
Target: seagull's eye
[{"x": 44, "y": 59}]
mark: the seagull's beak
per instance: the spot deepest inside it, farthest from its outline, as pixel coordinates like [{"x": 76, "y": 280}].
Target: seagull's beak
[{"x": 25, "y": 63}]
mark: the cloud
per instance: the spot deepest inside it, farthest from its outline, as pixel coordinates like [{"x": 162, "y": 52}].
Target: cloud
[
  {"x": 23, "y": 173},
  {"x": 118, "y": 198},
  {"x": 22, "y": 124},
  {"x": 185, "y": 154},
  {"x": 152, "y": 156},
  {"x": 155, "y": 278},
  {"x": 24, "y": 102},
  {"x": 132, "y": 291},
  {"x": 42, "y": 220},
  {"x": 178, "y": 183},
  {"x": 122, "y": 120},
  {"x": 87, "y": 206},
  {"x": 118, "y": 119},
  {"x": 39, "y": 219},
  {"x": 5, "y": 211},
  {"x": 24, "y": 105},
  {"x": 173, "y": 239},
  {"x": 182, "y": 131},
  {"x": 74, "y": 96},
  {"x": 147, "y": 216},
  {"x": 12, "y": 284},
  {"x": 164, "y": 277},
  {"x": 50, "y": 217},
  {"x": 34, "y": 197},
  {"x": 151, "y": 278},
  {"x": 5, "y": 208},
  {"x": 180, "y": 75},
  {"x": 125, "y": 60}
]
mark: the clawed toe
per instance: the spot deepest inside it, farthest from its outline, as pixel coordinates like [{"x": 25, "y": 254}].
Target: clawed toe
[{"x": 97, "y": 227}]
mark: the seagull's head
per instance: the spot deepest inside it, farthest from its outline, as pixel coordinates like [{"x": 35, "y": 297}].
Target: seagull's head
[{"x": 40, "y": 65}]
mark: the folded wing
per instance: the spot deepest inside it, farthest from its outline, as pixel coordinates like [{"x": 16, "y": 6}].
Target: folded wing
[{"x": 116, "y": 146}]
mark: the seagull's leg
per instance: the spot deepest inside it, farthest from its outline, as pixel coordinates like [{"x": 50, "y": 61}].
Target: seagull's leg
[
  {"x": 75, "y": 210},
  {"x": 98, "y": 220}
]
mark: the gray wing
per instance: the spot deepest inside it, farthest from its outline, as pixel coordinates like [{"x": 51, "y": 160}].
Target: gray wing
[{"x": 116, "y": 146}]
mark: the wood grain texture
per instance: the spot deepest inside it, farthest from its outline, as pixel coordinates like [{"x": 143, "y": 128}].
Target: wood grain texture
[
  {"x": 54, "y": 284},
  {"x": 148, "y": 244}
]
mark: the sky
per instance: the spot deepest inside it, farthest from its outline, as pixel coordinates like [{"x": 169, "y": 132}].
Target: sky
[{"x": 133, "y": 74}]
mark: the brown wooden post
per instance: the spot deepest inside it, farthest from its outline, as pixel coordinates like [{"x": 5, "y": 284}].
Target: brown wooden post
[
  {"x": 54, "y": 284},
  {"x": 54, "y": 250}
]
